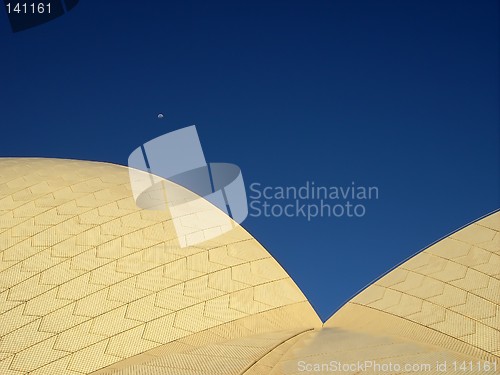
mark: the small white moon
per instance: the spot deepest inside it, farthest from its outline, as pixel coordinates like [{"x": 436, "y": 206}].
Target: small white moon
[{"x": 160, "y": 115}]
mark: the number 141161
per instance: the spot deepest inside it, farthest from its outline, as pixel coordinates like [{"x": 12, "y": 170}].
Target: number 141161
[
  {"x": 475, "y": 366},
  {"x": 28, "y": 8}
]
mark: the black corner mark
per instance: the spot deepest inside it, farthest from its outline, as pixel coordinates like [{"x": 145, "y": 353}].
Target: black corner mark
[
  {"x": 70, "y": 4},
  {"x": 27, "y": 14}
]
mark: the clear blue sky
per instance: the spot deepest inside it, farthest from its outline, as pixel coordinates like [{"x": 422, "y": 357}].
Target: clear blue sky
[{"x": 402, "y": 95}]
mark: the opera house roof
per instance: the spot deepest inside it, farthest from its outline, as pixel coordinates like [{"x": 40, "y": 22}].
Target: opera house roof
[{"x": 92, "y": 284}]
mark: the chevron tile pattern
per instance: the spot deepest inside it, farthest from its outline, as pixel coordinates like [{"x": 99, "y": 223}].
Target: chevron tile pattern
[
  {"x": 449, "y": 294},
  {"x": 92, "y": 284},
  {"x": 87, "y": 279}
]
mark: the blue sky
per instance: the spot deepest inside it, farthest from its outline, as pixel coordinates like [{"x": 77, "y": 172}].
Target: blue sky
[{"x": 398, "y": 95}]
